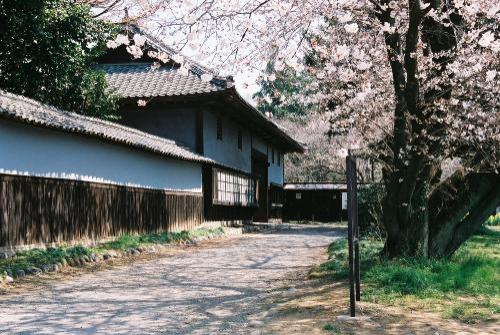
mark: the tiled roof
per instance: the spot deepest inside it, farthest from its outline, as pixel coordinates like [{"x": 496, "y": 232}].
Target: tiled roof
[
  {"x": 139, "y": 80},
  {"x": 22, "y": 109}
]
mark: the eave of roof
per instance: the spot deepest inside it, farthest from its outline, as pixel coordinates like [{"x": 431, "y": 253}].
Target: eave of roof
[
  {"x": 21, "y": 109},
  {"x": 293, "y": 145}
]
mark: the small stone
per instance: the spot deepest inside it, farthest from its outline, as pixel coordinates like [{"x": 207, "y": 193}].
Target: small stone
[
  {"x": 4, "y": 255},
  {"x": 133, "y": 252},
  {"x": 106, "y": 256},
  {"x": 58, "y": 267},
  {"x": 8, "y": 279},
  {"x": 20, "y": 273},
  {"x": 64, "y": 262},
  {"x": 93, "y": 257},
  {"x": 45, "y": 268},
  {"x": 33, "y": 270}
]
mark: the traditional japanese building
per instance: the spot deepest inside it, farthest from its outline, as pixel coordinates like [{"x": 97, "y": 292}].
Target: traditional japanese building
[
  {"x": 320, "y": 202},
  {"x": 186, "y": 151},
  {"x": 210, "y": 118}
]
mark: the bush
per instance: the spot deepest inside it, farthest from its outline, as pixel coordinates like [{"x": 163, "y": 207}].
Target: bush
[
  {"x": 49, "y": 48},
  {"x": 370, "y": 209}
]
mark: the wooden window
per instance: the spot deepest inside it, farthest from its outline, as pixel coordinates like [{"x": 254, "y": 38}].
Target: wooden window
[
  {"x": 231, "y": 188},
  {"x": 240, "y": 139},
  {"x": 219, "y": 128}
]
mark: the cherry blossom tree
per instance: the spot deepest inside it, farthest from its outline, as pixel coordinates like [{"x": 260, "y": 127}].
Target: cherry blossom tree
[{"x": 414, "y": 82}]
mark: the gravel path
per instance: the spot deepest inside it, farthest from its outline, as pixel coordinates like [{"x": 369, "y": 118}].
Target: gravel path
[{"x": 210, "y": 290}]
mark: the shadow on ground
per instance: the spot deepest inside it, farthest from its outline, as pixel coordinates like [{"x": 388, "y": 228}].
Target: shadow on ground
[{"x": 206, "y": 290}]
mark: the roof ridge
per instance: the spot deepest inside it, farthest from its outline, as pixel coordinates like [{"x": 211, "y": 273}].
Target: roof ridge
[{"x": 195, "y": 66}]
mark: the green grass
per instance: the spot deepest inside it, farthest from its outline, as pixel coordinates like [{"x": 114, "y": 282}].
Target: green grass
[
  {"x": 466, "y": 286},
  {"x": 331, "y": 328},
  {"x": 133, "y": 241},
  {"x": 39, "y": 257},
  {"x": 493, "y": 220}
]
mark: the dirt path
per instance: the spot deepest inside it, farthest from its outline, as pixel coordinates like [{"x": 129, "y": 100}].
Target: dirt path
[{"x": 212, "y": 290}]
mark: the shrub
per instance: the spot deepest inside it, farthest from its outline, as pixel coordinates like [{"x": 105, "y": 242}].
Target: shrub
[
  {"x": 49, "y": 48},
  {"x": 370, "y": 209}
]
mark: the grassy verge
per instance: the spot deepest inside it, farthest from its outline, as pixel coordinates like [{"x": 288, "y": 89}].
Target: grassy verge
[
  {"x": 42, "y": 257},
  {"x": 465, "y": 287},
  {"x": 493, "y": 220}
]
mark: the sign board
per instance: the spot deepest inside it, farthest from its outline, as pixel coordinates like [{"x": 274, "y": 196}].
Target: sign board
[{"x": 344, "y": 200}]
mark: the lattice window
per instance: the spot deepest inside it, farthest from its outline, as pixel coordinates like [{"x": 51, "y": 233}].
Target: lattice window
[{"x": 231, "y": 188}]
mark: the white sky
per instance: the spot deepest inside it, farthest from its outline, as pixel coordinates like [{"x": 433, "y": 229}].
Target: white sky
[{"x": 246, "y": 91}]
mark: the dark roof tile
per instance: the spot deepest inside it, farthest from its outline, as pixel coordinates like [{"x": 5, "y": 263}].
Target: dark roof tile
[{"x": 139, "y": 80}]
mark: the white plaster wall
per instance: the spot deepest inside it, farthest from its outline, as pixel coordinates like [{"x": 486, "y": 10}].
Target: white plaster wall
[
  {"x": 36, "y": 151},
  {"x": 275, "y": 171},
  {"x": 226, "y": 151}
]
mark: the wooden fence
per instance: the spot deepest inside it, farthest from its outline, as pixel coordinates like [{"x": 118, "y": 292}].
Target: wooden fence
[{"x": 37, "y": 210}]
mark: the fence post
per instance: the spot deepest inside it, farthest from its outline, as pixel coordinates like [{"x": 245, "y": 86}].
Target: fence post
[
  {"x": 353, "y": 232},
  {"x": 356, "y": 229},
  {"x": 350, "y": 231}
]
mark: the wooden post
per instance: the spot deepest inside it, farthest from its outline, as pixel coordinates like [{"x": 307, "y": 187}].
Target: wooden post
[
  {"x": 353, "y": 233},
  {"x": 356, "y": 229},
  {"x": 350, "y": 233}
]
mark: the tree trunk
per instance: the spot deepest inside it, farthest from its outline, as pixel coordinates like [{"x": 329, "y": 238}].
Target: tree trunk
[
  {"x": 436, "y": 226},
  {"x": 406, "y": 223},
  {"x": 459, "y": 208}
]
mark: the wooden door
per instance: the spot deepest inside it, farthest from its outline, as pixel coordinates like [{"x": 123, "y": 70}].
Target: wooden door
[{"x": 259, "y": 169}]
